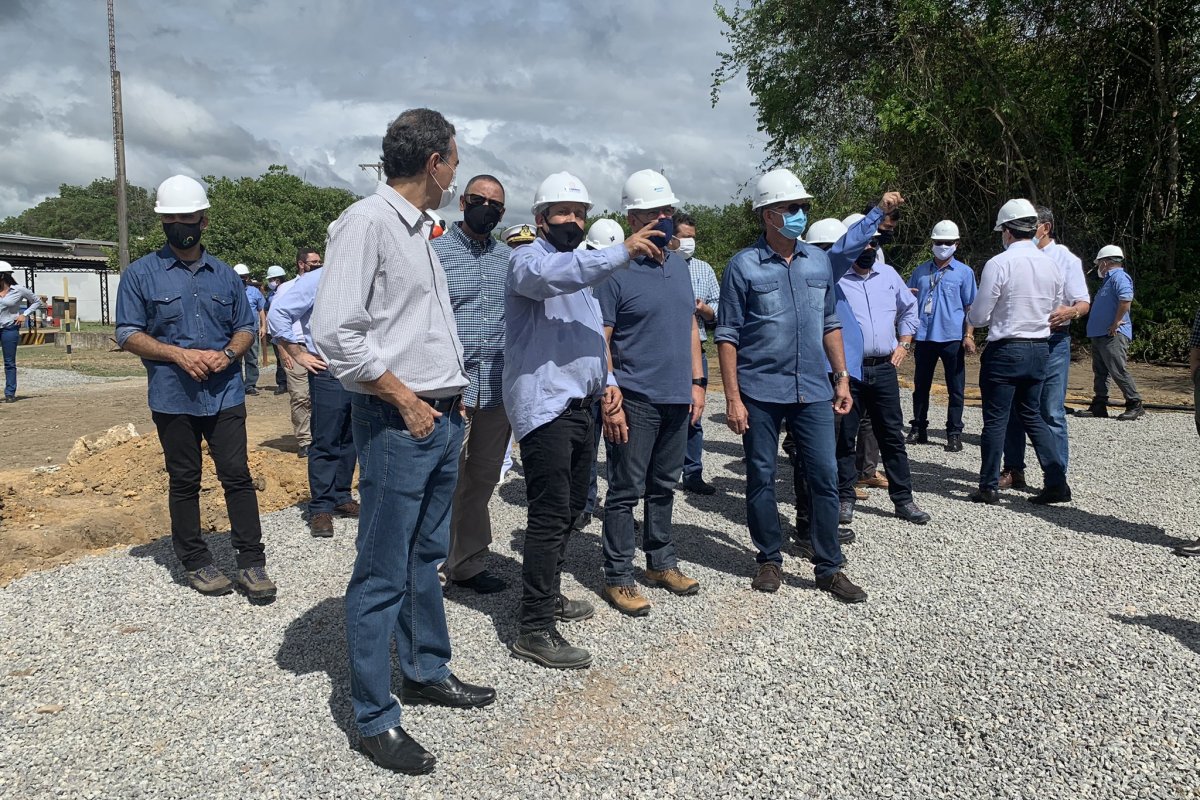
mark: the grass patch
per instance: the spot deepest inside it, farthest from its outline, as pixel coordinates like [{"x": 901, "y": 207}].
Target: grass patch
[{"x": 98, "y": 363}]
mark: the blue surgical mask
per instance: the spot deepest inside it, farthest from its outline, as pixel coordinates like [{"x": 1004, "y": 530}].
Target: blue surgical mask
[{"x": 793, "y": 224}]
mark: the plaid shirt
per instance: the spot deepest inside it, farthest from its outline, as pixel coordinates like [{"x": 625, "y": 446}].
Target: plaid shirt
[
  {"x": 706, "y": 288},
  {"x": 1195, "y": 341},
  {"x": 477, "y": 273}
]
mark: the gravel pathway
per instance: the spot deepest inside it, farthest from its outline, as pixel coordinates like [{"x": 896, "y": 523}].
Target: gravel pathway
[
  {"x": 32, "y": 380},
  {"x": 1005, "y": 651}
]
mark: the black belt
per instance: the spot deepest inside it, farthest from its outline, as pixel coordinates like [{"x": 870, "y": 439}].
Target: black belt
[
  {"x": 442, "y": 404},
  {"x": 580, "y": 403},
  {"x": 875, "y": 361},
  {"x": 1021, "y": 341},
  {"x": 1061, "y": 329}
]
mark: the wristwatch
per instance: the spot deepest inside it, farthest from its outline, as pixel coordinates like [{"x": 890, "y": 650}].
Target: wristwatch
[
  {"x": 906, "y": 345},
  {"x": 230, "y": 354},
  {"x": 701, "y": 382},
  {"x": 837, "y": 376}
]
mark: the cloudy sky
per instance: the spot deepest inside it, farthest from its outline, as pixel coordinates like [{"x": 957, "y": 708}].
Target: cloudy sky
[{"x": 228, "y": 87}]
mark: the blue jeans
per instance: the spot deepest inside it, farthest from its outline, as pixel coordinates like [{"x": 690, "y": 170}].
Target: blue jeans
[
  {"x": 926, "y": 356},
  {"x": 646, "y": 466},
  {"x": 406, "y": 485},
  {"x": 9, "y": 338},
  {"x": 693, "y": 460},
  {"x": 1011, "y": 375},
  {"x": 331, "y": 455},
  {"x": 1053, "y": 404},
  {"x": 811, "y": 425}
]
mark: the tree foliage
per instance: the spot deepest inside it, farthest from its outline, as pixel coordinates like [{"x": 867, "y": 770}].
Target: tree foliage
[
  {"x": 85, "y": 212},
  {"x": 1081, "y": 105},
  {"x": 720, "y": 230}
]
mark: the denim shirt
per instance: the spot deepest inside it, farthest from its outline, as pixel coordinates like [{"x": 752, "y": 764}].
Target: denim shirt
[
  {"x": 200, "y": 310},
  {"x": 777, "y": 315},
  {"x": 1116, "y": 288}
]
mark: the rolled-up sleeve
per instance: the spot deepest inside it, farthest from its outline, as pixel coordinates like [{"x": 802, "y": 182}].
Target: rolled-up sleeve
[
  {"x": 131, "y": 308},
  {"x": 732, "y": 313},
  {"x": 340, "y": 319},
  {"x": 906, "y": 309},
  {"x": 832, "y": 321},
  {"x": 1125, "y": 290}
]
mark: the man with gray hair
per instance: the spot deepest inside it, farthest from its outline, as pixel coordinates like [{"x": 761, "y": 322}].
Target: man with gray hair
[{"x": 383, "y": 320}]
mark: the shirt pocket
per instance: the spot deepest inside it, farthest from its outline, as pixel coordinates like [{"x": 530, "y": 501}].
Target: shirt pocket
[
  {"x": 817, "y": 288},
  {"x": 222, "y": 309},
  {"x": 766, "y": 298}
]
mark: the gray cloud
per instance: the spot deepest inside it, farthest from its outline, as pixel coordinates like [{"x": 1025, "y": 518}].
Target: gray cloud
[{"x": 229, "y": 87}]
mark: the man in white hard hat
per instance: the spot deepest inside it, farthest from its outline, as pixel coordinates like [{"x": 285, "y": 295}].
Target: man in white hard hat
[
  {"x": 1110, "y": 329},
  {"x": 476, "y": 268},
  {"x": 331, "y": 456},
  {"x": 12, "y": 297},
  {"x": 1192, "y": 549},
  {"x": 275, "y": 276},
  {"x": 945, "y": 288},
  {"x": 184, "y": 311},
  {"x": 300, "y": 401},
  {"x": 649, "y": 315},
  {"x": 866, "y": 447},
  {"x": 1018, "y": 292},
  {"x": 707, "y": 292},
  {"x": 1074, "y": 303},
  {"x": 258, "y": 307},
  {"x": 777, "y": 322},
  {"x": 555, "y": 371},
  {"x": 382, "y": 319}
]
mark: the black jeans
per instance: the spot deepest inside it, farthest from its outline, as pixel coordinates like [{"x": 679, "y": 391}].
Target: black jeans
[
  {"x": 954, "y": 365},
  {"x": 558, "y": 459},
  {"x": 225, "y": 432},
  {"x": 879, "y": 394}
]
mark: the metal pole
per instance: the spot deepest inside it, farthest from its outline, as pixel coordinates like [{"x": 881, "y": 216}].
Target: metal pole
[{"x": 118, "y": 143}]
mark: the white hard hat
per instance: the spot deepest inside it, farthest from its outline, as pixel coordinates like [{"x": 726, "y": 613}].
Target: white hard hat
[
  {"x": 604, "y": 232},
  {"x": 5, "y": 266},
  {"x": 945, "y": 231},
  {"x": 1020, "y": 213},
  {"x": 1110, "y": 251},
  {"x": 825, "y": 231},
  {"x": 777, "y": 186},
  {"x": 853, "y": 220},
  {"x": 275, "y": 271},
  {"x": 523, "y": 233},
  {"x": 241, "y": 269},
  {"x": 646, "y": 189},
  {"x": 561, "y": 187},
  {"x": 180, "y": 194}
]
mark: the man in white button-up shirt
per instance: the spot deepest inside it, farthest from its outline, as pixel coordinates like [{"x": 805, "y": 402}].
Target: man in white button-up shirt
[{"x": 1018, "y": 292}]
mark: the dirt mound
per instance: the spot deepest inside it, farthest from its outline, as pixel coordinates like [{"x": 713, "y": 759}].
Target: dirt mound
[{"x": 119, "y": 497}]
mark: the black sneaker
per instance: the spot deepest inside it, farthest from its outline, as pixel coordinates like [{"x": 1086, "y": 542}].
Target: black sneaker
[
  {"x": 582, "y": 521},
  {"x": 209, "y": 580},
  {"x": 988, "y": 496},
  {"x": 911, "y": 512},
  {"x": 256, "y": 584},
  {"x": 1052, "y": 494},
  {"x": 697, "y": 485},
  {"x": 1133, "y": 410},
  {"x": 845, "y": 512},
  {"x": 566, "y": 610},
  {"x": 251, "y": 390},
  {"x": 483, "y": 583},
  {"x": 918, "y": 435},
  {"x": 547, "y": 648},
  {"x": 953, "y": 443},
  {"x": 842, "y": 588}
]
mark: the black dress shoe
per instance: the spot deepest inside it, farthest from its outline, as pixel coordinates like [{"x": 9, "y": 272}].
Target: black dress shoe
[
  {"x": 1052, "y": 494},
  {"x": 582, "y": 521},
  {"x": 450, "y": 692},
  {"x": 396, "y": 750},
  {"x": 483, "y": 583},
  {"x": 917, "y": 436},
  {"x": 953, "y": 443},
  {"x": 697, "y": 486},
  {"x": 989, "y": 496}
]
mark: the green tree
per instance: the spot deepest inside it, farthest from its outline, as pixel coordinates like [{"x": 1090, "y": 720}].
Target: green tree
[{"x": 85, "y": 212}]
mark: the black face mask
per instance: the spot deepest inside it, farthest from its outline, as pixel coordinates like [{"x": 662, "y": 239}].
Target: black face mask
[
  {"x": 482, "y": 218},
  {"x": 866, "y": 259},
  {"x": 183, "y": 235},
  {"x": 564, "y": 236},
  {"x": 886, "y": 237}
]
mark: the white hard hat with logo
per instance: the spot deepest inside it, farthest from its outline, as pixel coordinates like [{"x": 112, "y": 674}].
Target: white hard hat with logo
[
  {"x": 777, "y": 186},
  {"x": 825, "y": 231},
  {"x": 1019, "y": 213},
  {"x": 604, "y": 232},
  {"x": 241, "y": 269},
  {"x": 180, "y": 194},
  {"x": 561, "y": 187},
  {"x": 647, "y": 189},
  {"x": 1110, "y": 251},
  {"x": 5, "y": 266},
  {"x": 276, "y": 271},
  {"x": 944, "y": 231}
]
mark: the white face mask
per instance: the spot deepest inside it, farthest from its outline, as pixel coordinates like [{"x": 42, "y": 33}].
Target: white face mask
[
  {"x": 942, "y": 252},
  {"x": 450, "y": 192},
  {"x": 687, "y": 246}
]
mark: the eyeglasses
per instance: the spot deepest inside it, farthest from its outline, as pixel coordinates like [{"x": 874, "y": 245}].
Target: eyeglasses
[
  {"x": 479, "y": 200},
  {"x": 792, "y": 209}
]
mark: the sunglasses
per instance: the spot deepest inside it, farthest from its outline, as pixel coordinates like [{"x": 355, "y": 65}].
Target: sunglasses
[
  {"x": 792, "y": 209},
  {"x": 479, "y": 200}
]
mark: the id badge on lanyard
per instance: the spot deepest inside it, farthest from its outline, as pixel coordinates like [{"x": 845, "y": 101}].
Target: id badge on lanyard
[{"x": 934, "y": 280}]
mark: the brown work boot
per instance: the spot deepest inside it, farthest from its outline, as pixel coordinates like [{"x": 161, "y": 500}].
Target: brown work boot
[
  {"x": 1012, "y": 478},
  {"x": 348, "y": 508},
  {"x": 627, "y": 600},
  {"x": 861, "y": 493},
  {"x": 768, "y": 579},
  {"x": 321, "y": 525},
  {"x": 876, "y": 481},
  {"x": 673, "y": 581}
]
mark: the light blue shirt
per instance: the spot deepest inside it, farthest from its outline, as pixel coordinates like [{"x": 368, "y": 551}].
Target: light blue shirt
[
  {"x": 10, "y": 305},
  {"x": 256, "y": 300},
  {"x": 943, "y": 297},
  {"x": 295, "y": 307},
  {"x": 1117, "y": 286},
  {"x": 883, "y": 306},
  {"x": 554, "y": 349}
]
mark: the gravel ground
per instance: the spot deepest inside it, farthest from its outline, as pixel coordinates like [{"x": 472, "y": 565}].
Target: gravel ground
[
  {"x": 32, "y": 379},
  {"x": 1005, "y": 651}
]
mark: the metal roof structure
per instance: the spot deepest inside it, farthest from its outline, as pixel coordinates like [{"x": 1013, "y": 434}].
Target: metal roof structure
[{"x": 32, "y": 254}]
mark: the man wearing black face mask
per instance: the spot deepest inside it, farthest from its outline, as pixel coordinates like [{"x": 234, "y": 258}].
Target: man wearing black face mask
[
  {"x": 186, "y": 314},
  {"x": 476, "y": 270}
]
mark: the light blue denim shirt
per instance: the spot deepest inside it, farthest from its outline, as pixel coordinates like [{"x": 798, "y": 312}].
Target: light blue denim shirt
[
  {"x": 554, "y": 349},
  {"x": 943, "y": 297},
  {"x": 1117, "y": 287},
  {"x": 777, "y": 315},
  {"x": 294, "y": 307}
]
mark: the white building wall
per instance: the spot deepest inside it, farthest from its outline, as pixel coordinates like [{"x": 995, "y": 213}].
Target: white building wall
[{"x": 83, "y": 286}]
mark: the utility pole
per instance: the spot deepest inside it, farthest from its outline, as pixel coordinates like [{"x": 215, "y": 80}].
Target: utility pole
[
  {"x": 377, "y": 167},
  {"x": 118, "y": 143}
]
